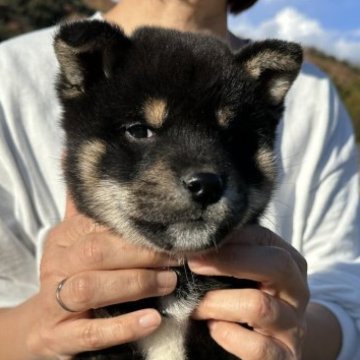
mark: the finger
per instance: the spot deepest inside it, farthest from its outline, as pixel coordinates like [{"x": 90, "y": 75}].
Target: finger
[
  {"x": 81, "y": 335},
  {"x": 107, "y": 251},
  {"x": 71, "y": 230},
  {"x": 246, "y": 344},
  {"x": 95, "y": 289},
  {"x": 263, "y": 313},
  {"x": 272, "y": 267},
  {"x": 257, "y": 235},
  {"x": 247, "y": 306},
  {"x": 60, "y": 239}
]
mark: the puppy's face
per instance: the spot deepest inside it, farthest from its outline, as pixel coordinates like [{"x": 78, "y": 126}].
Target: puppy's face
[{"x": 170, "y": 135}]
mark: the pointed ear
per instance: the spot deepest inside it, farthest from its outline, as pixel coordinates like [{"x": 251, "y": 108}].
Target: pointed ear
[
  {"x": 87, "y": 51},
  {"x": 274, "y": 64}
]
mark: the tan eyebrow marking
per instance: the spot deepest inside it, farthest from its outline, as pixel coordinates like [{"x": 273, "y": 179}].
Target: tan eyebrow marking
[
  {"x": 224, "y": 116},
  {"x": 155, "y": 111}
]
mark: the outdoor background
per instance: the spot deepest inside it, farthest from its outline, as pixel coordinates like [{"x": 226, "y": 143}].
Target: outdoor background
[{"x": 329, "y": 31}]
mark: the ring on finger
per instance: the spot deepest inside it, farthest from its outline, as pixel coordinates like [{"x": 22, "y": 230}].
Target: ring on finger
[{"x": 58, "y": 297}]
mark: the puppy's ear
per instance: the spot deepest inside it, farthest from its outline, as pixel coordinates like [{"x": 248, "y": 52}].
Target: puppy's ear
[
  {"x": 274, "y": 64},
  {"x": 87, "y": 51}
]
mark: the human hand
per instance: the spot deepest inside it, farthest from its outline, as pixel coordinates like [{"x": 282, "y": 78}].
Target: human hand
[
  {"x": 275, "y": 311},
  {"x": 100, "y": 269}
]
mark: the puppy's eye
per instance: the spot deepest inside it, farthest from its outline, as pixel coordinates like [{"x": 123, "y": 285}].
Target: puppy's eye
[{"x": 139, "y": 131}]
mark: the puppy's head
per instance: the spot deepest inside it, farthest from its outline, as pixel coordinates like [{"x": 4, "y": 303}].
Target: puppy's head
[{"x": 170, "y": 135}]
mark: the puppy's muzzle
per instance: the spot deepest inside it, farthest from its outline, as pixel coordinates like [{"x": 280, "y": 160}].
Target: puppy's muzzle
[{"x": 205, "y": 188}]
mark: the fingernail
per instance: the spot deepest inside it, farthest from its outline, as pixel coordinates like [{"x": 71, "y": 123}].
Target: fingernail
[
  {"x": 202, "y": 258},
  {"x": 166, "y": 279},
  {"x": 198, "y": 257},
  {"x": 150, "y": 320},
  {"x": 204, "y": 267},
  {"x": 197, "y": 263}
]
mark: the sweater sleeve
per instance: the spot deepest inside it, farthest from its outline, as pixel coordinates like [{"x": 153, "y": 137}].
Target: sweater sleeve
[
  {"x": 316, "y": 204},
  {"x": 31, "y": 189},
  {"x": 331, "y": 237},
  {"x": 17, "y": 254}
]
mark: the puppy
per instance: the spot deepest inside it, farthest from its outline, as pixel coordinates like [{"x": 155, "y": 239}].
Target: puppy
[{"x": 170, "y": 141}]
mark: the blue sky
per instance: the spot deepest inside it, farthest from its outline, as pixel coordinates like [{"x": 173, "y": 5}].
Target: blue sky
[{"x": 331, "y": 25}]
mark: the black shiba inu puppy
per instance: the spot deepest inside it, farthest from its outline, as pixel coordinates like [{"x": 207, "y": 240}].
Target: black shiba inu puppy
[{"x": 170, "y": 142}]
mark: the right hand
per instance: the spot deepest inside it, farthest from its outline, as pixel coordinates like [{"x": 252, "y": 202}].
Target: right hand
[{"x": 101, "y": 269}]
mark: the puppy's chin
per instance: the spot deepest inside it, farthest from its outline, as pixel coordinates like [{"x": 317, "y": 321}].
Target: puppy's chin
[{"x": 182, "y": 238}]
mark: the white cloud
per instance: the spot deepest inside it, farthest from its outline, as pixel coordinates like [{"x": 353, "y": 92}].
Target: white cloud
[
  {"x": 290, "y": 24},
  {"x": 355, "y": 33}
]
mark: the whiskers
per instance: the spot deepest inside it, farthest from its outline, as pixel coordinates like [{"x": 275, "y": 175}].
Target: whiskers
[
  {"x": 216, "y": 247},
  {"x": 189, "y": 276},
  {"x": 172, "y": 258}
]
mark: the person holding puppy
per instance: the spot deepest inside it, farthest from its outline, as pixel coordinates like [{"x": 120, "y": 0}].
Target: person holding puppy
[{"x": 313, "y": 215}]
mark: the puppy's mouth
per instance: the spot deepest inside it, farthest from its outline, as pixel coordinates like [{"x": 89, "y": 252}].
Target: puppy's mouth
[
  {"x": 185, "y": 236},
  {"x": 168, "y": 218},
  {"x": 196, "y": 220},
  {"x": 158, "y": 226},
  {"x": 181, "y": 227}
]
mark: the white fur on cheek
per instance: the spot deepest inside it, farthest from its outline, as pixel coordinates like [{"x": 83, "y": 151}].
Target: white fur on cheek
[{"x": 108, "y": 201}]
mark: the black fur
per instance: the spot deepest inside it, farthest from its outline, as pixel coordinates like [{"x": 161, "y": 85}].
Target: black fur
[{"x": 218, "y": 111}]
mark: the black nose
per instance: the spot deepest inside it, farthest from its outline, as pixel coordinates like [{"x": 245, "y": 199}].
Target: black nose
[{"x": 205, "y": 188}]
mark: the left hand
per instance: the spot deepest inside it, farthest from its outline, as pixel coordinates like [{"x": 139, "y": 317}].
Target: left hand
[{"x": 275, "y": 311}]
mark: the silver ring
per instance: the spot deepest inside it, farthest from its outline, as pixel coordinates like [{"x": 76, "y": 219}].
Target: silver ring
[{"x": 58, "y": 298}]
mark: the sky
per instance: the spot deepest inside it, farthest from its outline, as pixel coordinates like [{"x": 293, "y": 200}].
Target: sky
[{"x": 333, "y": 26}]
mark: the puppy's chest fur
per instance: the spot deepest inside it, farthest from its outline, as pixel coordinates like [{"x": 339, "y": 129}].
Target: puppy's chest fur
[
  {"x": 170, "y": 341},
  {"x": 179, "y": 337},
  {"x": 170, "y": 140}
]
